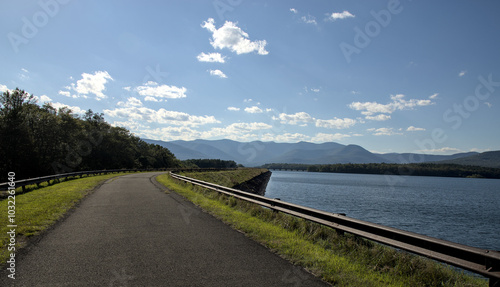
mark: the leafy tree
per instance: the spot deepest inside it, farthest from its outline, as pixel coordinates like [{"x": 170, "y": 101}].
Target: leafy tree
[{"x": 37, "y": 141}]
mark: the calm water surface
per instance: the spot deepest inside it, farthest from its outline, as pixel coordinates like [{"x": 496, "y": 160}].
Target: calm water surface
[{"x": 462, "y": 210}]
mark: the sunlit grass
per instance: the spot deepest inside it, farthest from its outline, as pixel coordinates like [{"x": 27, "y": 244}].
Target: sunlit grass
[{"x": 342, "y": 260}]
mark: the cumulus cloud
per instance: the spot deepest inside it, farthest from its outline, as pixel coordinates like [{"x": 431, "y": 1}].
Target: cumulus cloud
[
  {"x": 369, "y": 109},
  {"x": 131, "y": 102},
  {"x": 235, "y": 131},
  {"x": 303, "y": 118},
  {"x": 67, "y": 94},
  {"x": 74, "y": 109},
  {"x": 3, "y": 88},
  {"x": 339, "y": 16},
  {"x": 45, "y": 99},
  {"x": 379, "y": 117},
  {"x": 414, "y": 129},
  {"x": 462, "y": 73},
  {"x": 211, "y": 58},
  {"x": 132, "y": 110},
  {"x": 218, "y": 73},
  {"x": 92, "y": 84},
  {"x": 322, "y": 137},
  {"x": 295, "y": 119},
  {"x": 233, "y": 38},
  {"x": 294, "y": 11},
  {"x": 336, "y": 123},
  {"x": 153, "y": 89},
  {"x": 384, "y": 132},
  {"x": 233, "y": 109},
  {"x": 253, "y": 110}
]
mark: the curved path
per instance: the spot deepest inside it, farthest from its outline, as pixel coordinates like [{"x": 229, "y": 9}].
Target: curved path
[{"x": 131, "y": 233}]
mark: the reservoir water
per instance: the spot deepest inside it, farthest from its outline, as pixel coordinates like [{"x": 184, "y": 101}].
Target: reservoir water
[{"x": 462, "y": 210}]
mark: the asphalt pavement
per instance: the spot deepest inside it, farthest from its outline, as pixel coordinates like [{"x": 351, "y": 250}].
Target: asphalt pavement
[{"x": 129, "y": 232}]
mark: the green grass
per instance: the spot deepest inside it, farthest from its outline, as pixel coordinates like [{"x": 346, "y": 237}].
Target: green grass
[
  {"x": 229, "y": 178},
  {"x": 41, "y": 208},
  {"x": 340, "y": 260}
]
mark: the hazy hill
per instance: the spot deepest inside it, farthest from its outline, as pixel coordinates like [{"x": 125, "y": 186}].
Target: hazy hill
[
  {"x": 257, "y": 153},
  {"x": 487, "y": 159}
]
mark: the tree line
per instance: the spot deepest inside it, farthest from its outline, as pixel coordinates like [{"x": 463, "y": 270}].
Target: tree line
[
  {"x": 40, "y": 140},
  {"x": 420, "y": 169},
  {"x": 209, "y": 163}
]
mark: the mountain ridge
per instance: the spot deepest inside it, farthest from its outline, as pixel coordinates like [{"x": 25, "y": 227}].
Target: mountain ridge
[{"x": 258, "y": 153}]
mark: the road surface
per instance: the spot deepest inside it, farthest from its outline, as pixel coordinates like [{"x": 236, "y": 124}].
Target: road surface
[{"x": 129, "y": 232}]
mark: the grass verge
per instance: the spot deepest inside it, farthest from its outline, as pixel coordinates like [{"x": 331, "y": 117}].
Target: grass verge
[
  {"x": 340, "y": 260},
  {"x": 41, "y": 208}
]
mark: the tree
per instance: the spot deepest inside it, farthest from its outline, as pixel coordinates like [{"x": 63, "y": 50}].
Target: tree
[{"x": 17, "y": 147}]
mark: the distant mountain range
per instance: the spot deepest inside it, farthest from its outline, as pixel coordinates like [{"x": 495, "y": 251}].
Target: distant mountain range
[{"x": 258, "y": 153}]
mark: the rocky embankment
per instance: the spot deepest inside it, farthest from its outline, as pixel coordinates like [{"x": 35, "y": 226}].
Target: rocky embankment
[{"x": 256, "y": 185}]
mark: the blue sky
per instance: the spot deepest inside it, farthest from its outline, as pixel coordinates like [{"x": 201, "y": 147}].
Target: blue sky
[{"x": 391, "y": 76}]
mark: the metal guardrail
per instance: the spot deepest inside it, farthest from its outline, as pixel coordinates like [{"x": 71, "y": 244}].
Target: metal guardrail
[
  {"x": 480, "y": 261},
  {"x": 30, "y": 181}
]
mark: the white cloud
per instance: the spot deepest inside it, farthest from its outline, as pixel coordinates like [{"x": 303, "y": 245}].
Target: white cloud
[
  {"x": 233, "y": 109},
  {"x": 218, "y": 73},
  {"x": 294, "y": 11},
  {"x": 295, "y": 119},
  {"x": 152, "y": 99},
  {"x": 3, "y": 88},
  {"x": 289, "y": 137},
  {"x": 336, "y": 123},
  {"x": 253, "y": 110},
  {"x": 303, "y": 118},
  {"x": 369, "y": 109},
  {"x": 24, "y": 75},
  {"x": 462, "y": 73},
  {"x": 315, "y": 90},
  {"x": 131, "y": 102},
  {"x": 45, "y": 99},
  {"x": 339, "y": 16},
  {"x": 153, "y": 89},
  {"x": 92, "y": 84},
  {"x": 247, "y": 100},
  {"x": 67, "y": 94},
  {"x": 383, "y": 132},
  {"x": 74, "y": 109},
  {"x": 233, "y": 38},
  {"x": 488, "y": 104},
  {"x": 322, "y": 137},
  {"x": 379, "y": 117},
  {"x": 128, "y": 89},
  {"x": 309, "y": 20},
  {"x": 211, "y": 58},
  {"x": 414, "y": 129},
  {"x": 433, "y": 96},
  {"x": 235, "y": 131},
  {"x": 139, "y": 113}
]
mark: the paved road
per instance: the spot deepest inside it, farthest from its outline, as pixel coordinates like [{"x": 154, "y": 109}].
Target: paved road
[{"x": 130, "y": 233}]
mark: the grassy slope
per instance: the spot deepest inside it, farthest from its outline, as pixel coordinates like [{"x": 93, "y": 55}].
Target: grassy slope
[
  {"x": 340, "y": 260},
  {"x": 41, "y": 208},
  {"x": 229, "y": 178}
]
